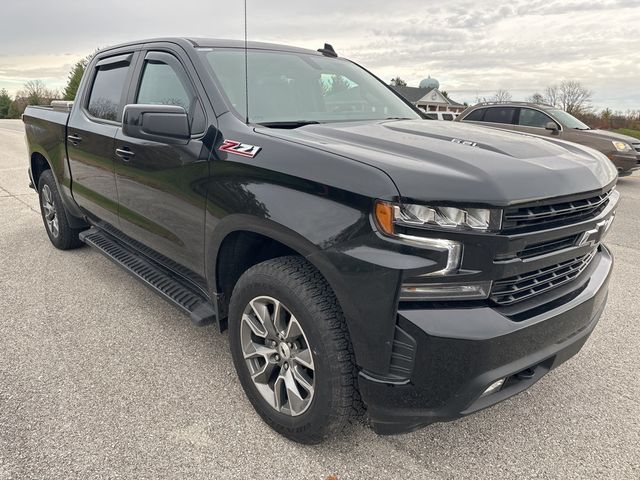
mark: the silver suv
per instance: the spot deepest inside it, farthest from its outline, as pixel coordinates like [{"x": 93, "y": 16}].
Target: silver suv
[{"x": 545, "y": 120}]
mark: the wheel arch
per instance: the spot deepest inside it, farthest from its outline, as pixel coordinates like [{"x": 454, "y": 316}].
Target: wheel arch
[{"x": 262, "y": 239}]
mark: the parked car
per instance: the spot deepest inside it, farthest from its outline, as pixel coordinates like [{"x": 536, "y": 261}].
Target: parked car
[
  {"x": 545, "y": 120},
  {"x": 358, "y": 254}
]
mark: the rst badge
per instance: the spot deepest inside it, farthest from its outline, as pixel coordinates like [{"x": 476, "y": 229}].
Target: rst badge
[{"x": 238, "y": 148}]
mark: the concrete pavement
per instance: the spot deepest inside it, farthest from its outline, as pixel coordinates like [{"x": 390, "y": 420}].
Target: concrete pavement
[{"x": 101, "y": 378}]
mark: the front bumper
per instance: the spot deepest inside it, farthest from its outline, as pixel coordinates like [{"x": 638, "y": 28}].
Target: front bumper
[
  {"x": 459, "y": 352},
  {"x": 626, "y": 163}
]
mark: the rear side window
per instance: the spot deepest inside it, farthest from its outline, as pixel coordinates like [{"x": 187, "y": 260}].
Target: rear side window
[
  {"x": 500, "y": 115},
  {"x": 106, "y": 94},
  {"x": 533, "y": 118},
  {"x": 476, "y": 115},
  {"x": 447, "y": 116}
]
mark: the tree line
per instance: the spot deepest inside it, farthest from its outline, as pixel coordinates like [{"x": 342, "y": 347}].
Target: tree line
[{"x": 36, "y": 92}]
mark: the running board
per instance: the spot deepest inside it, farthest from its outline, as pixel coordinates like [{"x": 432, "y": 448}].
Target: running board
[{"x": 160, "y": 280}]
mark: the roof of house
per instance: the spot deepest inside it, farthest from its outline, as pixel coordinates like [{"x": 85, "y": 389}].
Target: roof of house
[{"x": 412, "y": 94}]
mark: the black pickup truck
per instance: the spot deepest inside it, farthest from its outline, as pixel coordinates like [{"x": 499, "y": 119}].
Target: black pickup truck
[{"x": 365, "y": 260}]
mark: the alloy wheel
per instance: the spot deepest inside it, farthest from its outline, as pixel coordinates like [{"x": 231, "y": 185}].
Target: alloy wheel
[
  {"x": 278, "y": 355},
  {"x": 49, "y": 210}
]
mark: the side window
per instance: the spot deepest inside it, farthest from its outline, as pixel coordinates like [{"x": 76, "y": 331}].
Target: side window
[
  {"x": 164, "y": 82},
  {"x": 499, "y": 115},
  {"x": 161, "y": 85},
  {"x": 476, "y": 115},
  {"x": 533, "y": 118},
  {"x": 106, "y": 93},
  {"x": 447, "y": 116}
]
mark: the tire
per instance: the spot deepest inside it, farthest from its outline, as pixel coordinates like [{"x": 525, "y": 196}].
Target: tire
[
  {"x": 307, "y": 306},
  {"x": 54, "y": 216}
]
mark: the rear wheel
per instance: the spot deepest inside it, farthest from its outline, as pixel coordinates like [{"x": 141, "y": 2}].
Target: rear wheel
[
  {"x": 54, "y": 216},
  {"x": 292, "y": 351}
]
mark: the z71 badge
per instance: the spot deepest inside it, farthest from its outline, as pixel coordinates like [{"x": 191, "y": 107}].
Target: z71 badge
[{"x": 237, "y": 148}]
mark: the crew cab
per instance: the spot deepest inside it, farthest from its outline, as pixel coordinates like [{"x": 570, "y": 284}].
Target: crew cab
[{"x": 365, "y": 259}]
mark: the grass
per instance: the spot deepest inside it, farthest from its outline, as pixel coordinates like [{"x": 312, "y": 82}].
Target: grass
[{"x": 628, "y": 131}]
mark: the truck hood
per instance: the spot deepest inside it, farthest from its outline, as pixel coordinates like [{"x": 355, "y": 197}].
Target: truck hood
[{"x": 444, "y": 161}]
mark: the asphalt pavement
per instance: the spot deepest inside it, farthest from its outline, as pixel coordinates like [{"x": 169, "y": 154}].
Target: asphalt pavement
[{"x": 101, "y": 378}]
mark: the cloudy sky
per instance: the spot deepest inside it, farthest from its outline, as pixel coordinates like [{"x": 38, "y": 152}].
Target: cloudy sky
[{"x": 473, "y": 47}]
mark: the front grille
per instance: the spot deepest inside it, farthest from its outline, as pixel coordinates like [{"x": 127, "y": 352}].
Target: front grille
[
  {"x": 536, "y": 217},
  {"x": 548, "y": 247},
  {"x": 527, "y": 285},
  {"x": 636, "y": 146}
]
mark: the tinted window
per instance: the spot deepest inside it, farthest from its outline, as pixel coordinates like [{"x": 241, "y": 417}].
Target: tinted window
[
  {"x": 161, "y": 85},
  {"x": 476, "y": 115},
  {"x": 499, "y": 115},
  {"x": 106, "y": 93},
  {"x": 447, "y": 116},
  {"x": 533, "y": 118}
]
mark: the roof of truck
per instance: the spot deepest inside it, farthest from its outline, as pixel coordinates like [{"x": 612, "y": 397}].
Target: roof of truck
[{"x": 216, "y": 42}]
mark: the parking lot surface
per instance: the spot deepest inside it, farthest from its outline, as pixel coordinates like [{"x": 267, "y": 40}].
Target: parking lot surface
[{"x": 101, "y": 378}]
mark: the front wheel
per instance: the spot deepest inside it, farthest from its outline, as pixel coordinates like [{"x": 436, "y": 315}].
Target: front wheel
[{"x": 292, "y": 351}]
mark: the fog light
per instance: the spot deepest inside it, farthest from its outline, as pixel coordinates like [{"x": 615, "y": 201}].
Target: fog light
[
  {"x": 494, "y": 387},
  {"x": 444, "y": 291}
]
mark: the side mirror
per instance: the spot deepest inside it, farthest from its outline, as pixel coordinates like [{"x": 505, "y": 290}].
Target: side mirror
[
  {"x": 553, "y": 126},
  {"x": 158, "y": 123}
]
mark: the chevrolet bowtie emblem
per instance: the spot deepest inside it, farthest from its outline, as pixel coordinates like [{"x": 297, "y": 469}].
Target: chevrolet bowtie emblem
[{"x": 596, "y": 234}]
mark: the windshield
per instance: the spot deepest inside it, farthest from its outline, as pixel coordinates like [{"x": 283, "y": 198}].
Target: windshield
[
  {"x": 568, "y": 120},
  {"x": 298, "y": 88}
]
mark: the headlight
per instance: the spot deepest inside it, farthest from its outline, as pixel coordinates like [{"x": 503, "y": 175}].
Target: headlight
[
  {"x": 409, "y": 215},
  {"x": 621, "y": 146}
]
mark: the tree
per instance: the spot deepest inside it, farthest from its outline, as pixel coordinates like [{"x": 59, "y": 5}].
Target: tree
[
  {"x": 501, "y": 95},
  {"x": 536, "y": 98},
  {"x": 36, "y": 93},
  {"x": 445, "y": 94},
  {"x": 573, "y": 97},
  {"x": 75, "y": 75},
  {"x": 398, "y": 82},
  {"x": 551, "y": 94},
  {"x": 5, "y": 103}
]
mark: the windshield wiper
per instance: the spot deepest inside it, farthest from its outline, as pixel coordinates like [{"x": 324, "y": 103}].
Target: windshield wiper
[{"x": 289, "y": 124}]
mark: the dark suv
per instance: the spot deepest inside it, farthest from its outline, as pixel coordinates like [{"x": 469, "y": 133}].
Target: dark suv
[{"x": 545, "y": 120}]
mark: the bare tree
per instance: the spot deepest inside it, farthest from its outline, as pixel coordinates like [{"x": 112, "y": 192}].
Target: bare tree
[
  {"x": 501, "y": 95},
  {"x": 551, "y": 94},
  {"x": 574, "y": 97},
  {"x": 536, "y": 98},
  {"x": 398, "y": 82},
  {"x": 35, "y": 92}
]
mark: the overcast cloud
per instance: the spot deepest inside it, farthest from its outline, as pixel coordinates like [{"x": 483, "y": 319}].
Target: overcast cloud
[{"x": 471, "y": 47}]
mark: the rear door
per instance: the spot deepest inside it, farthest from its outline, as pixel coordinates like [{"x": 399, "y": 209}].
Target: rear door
[
  {"x": 534, "y": 121},
  {"x": 501, "y": 117},
  {"x": 91, "y": 130},
  {"x": 162, "y": 187}
]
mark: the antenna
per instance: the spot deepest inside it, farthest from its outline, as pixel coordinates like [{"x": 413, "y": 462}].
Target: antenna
[{"x": 246, "y": 65}]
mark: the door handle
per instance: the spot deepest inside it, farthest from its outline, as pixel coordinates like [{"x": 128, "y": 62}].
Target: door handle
[
  {"x": 125, "y": 154},
  {"x": 74, "y": 139}
]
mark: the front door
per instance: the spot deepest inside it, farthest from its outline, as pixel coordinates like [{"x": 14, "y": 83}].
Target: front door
[
  {"x": 161, "y": 187},
  {"x": 91, "y": 135},
  {"x": 535, "y": 122}
]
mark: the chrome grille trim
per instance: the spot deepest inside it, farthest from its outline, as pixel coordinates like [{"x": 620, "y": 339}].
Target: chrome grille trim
[
  {"x": 527, "y": 285},
  {"x": 526, "y": 217}
]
